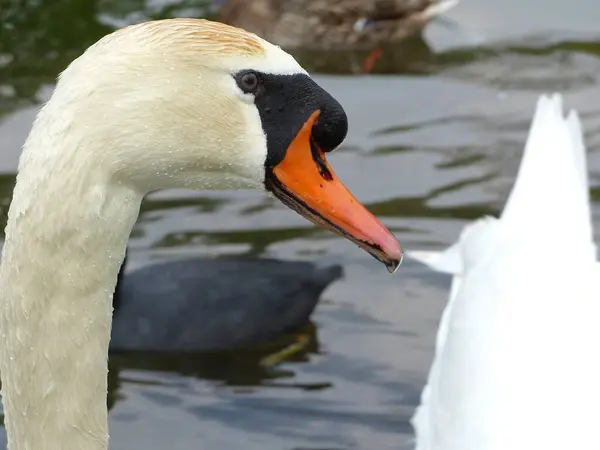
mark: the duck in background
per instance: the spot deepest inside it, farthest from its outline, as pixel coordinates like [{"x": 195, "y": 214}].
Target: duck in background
[
  {"x": 516, "y": 362},
  {"x": 201, "y": 304},
  {"x": 333, "y": 24}
]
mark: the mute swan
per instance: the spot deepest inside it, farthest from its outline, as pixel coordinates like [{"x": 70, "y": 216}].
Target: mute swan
[
  {"x": 327, "y": 24},
  {"x": 192, "y": 305},
  {"x": 516, "y": 364},
  {"x": 174, "y": 103}
]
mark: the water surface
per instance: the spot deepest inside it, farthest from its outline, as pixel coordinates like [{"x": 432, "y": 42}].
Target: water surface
[{"x": 435, "y": 139}]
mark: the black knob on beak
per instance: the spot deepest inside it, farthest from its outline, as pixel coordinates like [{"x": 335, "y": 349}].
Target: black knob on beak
[{"x": 331, "y": 127}]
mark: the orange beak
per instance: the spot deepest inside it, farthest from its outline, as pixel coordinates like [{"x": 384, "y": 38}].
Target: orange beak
[{"x": 304, "y": 181}]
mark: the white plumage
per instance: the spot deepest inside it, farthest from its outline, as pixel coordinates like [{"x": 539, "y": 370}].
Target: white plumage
[{"x": 517, "y": 359}]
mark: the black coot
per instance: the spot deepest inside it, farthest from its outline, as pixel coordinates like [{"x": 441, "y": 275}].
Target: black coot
[{"x": 214, "y": 304}]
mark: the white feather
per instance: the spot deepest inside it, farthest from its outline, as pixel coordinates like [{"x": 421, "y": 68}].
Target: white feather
[{"x": 517, "y": 365}]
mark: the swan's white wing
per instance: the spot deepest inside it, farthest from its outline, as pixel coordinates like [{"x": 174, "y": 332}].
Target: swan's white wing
[
  {"x": 516, "y": 363},
  {"x": 519, "y": 358},
  {"x": 551, "y": 189},
  {"x": 579, "y": 154},
  {"x": 550, "y": 195}
]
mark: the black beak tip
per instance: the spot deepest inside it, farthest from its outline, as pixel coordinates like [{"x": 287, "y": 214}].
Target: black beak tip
[{"x": 391, "y": 264}]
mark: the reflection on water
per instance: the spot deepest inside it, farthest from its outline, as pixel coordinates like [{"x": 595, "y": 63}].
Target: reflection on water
[
  {"x": 234, "y": 368},
  {"x": 431, "y": 147}
]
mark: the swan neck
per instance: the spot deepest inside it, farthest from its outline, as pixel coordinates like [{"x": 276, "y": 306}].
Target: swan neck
[{"x": 65, "y": 241}]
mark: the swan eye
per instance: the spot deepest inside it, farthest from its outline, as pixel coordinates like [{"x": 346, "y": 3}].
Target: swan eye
[{"x": 249, "y": 82}]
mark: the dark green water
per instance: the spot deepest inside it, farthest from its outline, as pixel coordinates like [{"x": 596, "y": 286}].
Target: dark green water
[{"x": 435, "y": 141}]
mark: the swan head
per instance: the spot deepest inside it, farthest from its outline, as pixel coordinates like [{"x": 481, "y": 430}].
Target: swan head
[{"x": 196, "y": 104}]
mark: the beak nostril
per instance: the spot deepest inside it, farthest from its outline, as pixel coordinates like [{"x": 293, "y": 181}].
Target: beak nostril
[{"x": 317, "y": 156}]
